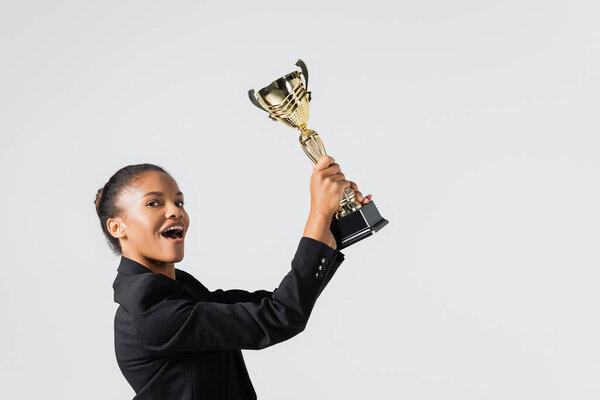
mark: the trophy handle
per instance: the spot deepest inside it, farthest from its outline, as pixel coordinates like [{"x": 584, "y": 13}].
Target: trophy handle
[
  {"x": 254, "y": 101},
  {"x": 302, "y": 66}
]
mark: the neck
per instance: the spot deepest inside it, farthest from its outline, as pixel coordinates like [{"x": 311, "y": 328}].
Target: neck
[{"x": 167, "y": 269}]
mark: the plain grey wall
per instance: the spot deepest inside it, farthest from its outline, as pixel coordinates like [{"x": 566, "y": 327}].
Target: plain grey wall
[{"x": 474, "y": 124}]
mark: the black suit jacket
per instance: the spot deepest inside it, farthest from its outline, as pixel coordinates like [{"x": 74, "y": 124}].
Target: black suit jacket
[{"x": 175, "y": 339}]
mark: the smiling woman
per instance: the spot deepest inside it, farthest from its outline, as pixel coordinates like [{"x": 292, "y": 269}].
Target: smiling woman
[
  {"x": 174, "y": 338},
  {"x": 107, "y": 198},
  {"x": 142, "y": 216}
]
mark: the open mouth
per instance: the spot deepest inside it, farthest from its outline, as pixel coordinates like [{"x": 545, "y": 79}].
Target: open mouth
[{"x": 173, "y": 233}]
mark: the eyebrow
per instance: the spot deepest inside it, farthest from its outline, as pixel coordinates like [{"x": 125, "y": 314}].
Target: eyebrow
[{"x": 161, "y": 194}]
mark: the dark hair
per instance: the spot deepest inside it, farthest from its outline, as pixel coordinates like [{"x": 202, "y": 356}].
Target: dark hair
[{"x": 107, "y": 197}]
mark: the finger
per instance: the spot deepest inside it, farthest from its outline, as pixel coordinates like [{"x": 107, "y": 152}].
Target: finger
[
  {"x": 338, "y": 177},
  {"x": 365, "y": 200},
  {"x": 357, "y": 194},
  {"x": 343, "y": 184},
  {"x": 332, "y": 170},
  {"x": 323, "y": 162}
]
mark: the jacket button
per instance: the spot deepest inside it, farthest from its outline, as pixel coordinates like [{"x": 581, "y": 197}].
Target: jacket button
[
  {"x": 322, "y": 268},
  {"x": 319, "y": 275},
  {"x": 324, "y": 261}
]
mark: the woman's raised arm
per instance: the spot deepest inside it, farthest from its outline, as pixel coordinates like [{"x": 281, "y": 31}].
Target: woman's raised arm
[{"x": 169, "y": 320}]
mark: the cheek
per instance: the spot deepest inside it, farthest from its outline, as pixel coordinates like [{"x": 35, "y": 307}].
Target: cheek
[{"x": 143, "y": 226}]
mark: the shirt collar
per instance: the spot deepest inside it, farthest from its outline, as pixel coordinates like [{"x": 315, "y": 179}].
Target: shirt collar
[{"x": 131, "y": 267}]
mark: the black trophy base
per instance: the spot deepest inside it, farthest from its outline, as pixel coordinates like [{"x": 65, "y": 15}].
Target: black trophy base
[{"x": 358, "y": 225}]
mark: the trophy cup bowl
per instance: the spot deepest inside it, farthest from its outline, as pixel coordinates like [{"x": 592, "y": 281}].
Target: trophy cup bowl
[{"x": 286, "y": 100}]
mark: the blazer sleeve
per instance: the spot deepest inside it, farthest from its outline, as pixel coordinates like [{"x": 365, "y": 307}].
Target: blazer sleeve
[
  {"x": 229, "y": 296},
  {"x": 170, "y": 320},
  {"x": 232, "y": 296}
]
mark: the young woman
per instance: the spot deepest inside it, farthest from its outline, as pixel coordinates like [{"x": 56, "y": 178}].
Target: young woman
[{"x": 174, "y": 338}]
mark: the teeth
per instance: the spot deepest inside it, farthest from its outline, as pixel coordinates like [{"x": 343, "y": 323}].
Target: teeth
[{"x": 175, "y": 227}]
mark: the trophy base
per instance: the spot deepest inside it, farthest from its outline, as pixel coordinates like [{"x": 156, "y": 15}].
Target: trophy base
[{"x": 358, "y": 225}]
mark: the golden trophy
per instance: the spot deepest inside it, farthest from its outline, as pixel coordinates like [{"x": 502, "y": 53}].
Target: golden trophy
[{"x": 286, "y": 99}]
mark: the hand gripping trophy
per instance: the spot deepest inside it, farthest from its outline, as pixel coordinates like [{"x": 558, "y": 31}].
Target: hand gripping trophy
[{"x": 286, "y": 99}]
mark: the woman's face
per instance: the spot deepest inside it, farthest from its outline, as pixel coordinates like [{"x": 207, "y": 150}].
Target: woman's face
[{"x": 149, "y": 205}]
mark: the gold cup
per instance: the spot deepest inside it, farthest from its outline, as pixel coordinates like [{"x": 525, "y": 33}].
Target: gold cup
[{"x": 286, "y": 99}]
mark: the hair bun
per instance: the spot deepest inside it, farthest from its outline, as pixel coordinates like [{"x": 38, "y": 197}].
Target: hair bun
[{"x": 98, "y": 196}]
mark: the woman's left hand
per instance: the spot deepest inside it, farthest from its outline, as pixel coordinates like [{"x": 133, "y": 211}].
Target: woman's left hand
[{"x": 358, "y": 195}]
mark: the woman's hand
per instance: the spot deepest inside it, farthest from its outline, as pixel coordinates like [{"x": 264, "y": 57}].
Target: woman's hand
[{"x": 327, "y": 185}]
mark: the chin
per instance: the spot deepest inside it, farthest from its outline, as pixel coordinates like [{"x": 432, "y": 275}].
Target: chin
[
  {"x": 169, "y": 252},
  {"x": 170, "y": 256},
  {"x": 176, "y": 258}
]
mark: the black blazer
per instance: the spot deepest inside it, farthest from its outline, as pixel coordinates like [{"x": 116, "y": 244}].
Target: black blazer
[{"x": 175, "y": 339}]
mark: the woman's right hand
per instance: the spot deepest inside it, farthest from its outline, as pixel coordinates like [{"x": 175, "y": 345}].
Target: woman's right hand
[{"x": 327, "y": 185}]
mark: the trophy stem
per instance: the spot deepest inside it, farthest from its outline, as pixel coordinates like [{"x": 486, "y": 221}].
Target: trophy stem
[
  {"x": 313, "y": 147},
  {"x": 311, "y": 144},
  {"x": 304, "y": 130}
]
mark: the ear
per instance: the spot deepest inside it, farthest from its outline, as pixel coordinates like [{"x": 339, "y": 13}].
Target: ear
[{"x": 116, "y": 227}]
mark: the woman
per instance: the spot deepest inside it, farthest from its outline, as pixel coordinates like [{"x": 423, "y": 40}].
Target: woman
[{"x": 174, "y": 338}]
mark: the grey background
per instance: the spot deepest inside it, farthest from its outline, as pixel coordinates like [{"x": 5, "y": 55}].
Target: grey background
[{"x": 473, "y": 124}]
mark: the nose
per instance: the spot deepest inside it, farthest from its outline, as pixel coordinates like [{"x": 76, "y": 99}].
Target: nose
[{"x": 175, "y": 211}]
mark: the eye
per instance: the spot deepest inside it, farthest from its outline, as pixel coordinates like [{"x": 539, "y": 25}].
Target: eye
[{"x": 154, "y": 201}]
